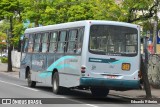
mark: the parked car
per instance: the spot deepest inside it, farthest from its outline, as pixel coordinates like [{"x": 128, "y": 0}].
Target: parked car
[{"x": 4, "y": 55}]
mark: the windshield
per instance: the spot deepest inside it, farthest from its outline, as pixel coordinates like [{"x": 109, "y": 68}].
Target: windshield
[{"x": 113, "y": 40}]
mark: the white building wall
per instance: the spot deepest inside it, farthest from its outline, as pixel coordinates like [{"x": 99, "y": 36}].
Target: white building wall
[{"x": 16, "y": 59}]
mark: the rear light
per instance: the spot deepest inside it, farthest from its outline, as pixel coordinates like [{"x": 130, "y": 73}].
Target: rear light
[{"x": 83, "y": 69}]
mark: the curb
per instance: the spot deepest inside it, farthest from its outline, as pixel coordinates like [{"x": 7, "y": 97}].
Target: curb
[{"x": 122, "y": 96}]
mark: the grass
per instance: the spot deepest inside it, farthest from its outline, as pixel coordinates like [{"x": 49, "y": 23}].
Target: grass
[{"x": 4, "y": 59}]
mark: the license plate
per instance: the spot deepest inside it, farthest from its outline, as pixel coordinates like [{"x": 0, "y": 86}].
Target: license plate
[{"x": 126, "y": 66}]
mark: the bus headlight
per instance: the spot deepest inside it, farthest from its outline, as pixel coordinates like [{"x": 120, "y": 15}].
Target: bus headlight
[{"x": 126, "y": 66}]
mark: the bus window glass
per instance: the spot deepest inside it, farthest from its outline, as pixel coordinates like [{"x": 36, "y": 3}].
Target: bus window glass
[
  {"x": 31, "y": 38},
  {"x": 80, "y": 34},
  {"x": 25, "y": 43},
  {"x": 44, "y": 42},
  {"x": 53, "y": 37},
  {"x": 53, "y": 42},
  {"x": 37, "y": 42},
  {"x": 113, "y": 40},
  {"x": 79, "y": 40},
  {"x": 61, "y": 42},
  {"x": 71, "y": 41},
  {"x": 25, "y": 47},
  {"x": 30, "y": 46}
]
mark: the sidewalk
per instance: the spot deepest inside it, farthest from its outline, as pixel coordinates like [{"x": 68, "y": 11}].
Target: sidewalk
[
  {"x": 3, "y": 69},
  {"x": 126, "y": 94},
  {"x": 136, "y": 93}
]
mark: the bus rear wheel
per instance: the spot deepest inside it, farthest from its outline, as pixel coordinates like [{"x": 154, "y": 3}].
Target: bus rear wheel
[
  {"x": 55, "y": 86},
  {"x": 99, "y": 92},
  {"x": 30, "y": 82}
]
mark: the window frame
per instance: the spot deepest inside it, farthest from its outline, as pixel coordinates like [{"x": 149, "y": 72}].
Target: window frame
[
  {"x": 37, "y": 34},
  {"x": 56, "y": 41},
  {"x": 81, "y": 40},
  {"x": 42, "y": 42},
  {"x": 74, "y": 41},
  {"x": 114, "y": 53},
  {"x": 25, "y": 43},
  {"x": 64, "y": 42},
  {"x": 29, "y": 43}
]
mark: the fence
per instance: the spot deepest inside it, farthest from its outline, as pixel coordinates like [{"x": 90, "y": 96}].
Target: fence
[{"x": 16, "y": 59}]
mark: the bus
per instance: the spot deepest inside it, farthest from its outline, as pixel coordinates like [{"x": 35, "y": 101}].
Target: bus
[{"x": 92, "y": 54}]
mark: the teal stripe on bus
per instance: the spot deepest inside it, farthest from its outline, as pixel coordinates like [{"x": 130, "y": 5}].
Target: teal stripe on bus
[
  {"x": 49, "y": 70},
  {"x": 54, "y": 65},
  {"x": 112, "y": 61}
]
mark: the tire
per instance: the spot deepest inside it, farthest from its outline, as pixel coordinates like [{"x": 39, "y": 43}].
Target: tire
[
  {"x": 99, "y": 92},
  {"x": 30, "y": 82},
  {"x": 55, "y": 86}
]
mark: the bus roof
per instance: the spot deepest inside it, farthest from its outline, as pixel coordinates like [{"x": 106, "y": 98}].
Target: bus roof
[{"x": 77, "y": 24}]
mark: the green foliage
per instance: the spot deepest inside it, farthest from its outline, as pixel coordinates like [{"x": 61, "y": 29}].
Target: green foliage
[
  {"x": 4, "y": 26},
  {"x": 4, "y": 59},
  {"x": 33, "y": 10},
  {"x": 7, "y": 8},
  {"x": 2, "y": 40},
  {"x": 139, "y": 10},
  {"x": 74, "y": 10},
  {"x": 17, "y": 31},
  {"x": 10, "y": 11}
]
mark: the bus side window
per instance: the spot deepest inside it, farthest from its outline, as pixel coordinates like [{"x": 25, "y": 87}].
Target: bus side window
[
  {"x": 25, "y": 43},
  {"x": 71, "y": 41},
  {"x": 79, "y": 40},
  {"x": 53, "y": 42},
  {"x": 37, "y": 42},
  {"x": 25, "y": 46},
  {"x": 61, "y": 42},
  {"x": 30, "y": 45},
  {"x": 44, "y": 42}
]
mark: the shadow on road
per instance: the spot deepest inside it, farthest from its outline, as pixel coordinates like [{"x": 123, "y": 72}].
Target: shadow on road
[{"x": 86, "y": 97}]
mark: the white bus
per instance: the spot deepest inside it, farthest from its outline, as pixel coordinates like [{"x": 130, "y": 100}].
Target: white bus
[{"x": 91, "y": 54}]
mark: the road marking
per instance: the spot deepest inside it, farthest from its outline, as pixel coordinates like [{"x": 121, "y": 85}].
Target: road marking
[
  {"x": 91, "y": 105},
  {"x": 18, "y": 85},
  {"x": 81, "y": 102}
]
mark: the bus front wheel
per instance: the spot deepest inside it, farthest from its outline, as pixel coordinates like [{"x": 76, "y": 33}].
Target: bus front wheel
[
  {"x": 30, "y": 82},
  {"x": 99, "y": 92},
  {"x": 55, "y": 85}
]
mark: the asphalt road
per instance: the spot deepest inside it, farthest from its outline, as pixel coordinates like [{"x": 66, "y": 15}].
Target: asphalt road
[{"x": 12, "y": 87}]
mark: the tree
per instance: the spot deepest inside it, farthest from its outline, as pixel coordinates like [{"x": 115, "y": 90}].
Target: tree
[
  {"x": 8, "y": 9},
  {"x": 4, "y": 26},
  {"x": 60, "y": 11},
  {"x": 3, "y": 37},
  {"x": 139, "y": 10},
  {"x": 33, "y": 10}
]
